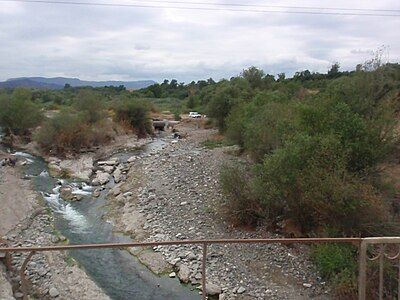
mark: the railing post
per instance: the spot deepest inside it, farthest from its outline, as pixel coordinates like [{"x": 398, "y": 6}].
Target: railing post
[
  {"x": 203, "y": 273},
  {"x": 381, "y": 261},
  {"x": 362, "y": 271}
]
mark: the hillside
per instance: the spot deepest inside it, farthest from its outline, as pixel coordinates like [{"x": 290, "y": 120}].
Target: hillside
[{"x": 59, "y": 83}]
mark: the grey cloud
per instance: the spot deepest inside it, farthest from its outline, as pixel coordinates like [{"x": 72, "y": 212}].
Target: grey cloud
[{"x": 116, "y": 43}]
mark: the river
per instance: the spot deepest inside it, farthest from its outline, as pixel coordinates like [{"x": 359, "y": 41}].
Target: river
[{"x": 117, "y": 272}]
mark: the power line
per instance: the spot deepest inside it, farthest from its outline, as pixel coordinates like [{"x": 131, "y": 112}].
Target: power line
[
  {"x": 272, "y": 6},
  {"x": 201, "y": 8}
]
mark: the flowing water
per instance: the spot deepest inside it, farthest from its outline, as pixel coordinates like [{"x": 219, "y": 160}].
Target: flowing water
[{"x": 117, "y": 272}]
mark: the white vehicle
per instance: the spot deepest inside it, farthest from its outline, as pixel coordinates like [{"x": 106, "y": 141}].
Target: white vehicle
[{"x": 194, "y": 115}]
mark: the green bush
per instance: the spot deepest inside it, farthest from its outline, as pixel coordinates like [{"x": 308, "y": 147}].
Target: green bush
[
  {"x": 338, "y": 263},
  {"x": 134, "y": 113},
  {"x": 242, "y": 207},
  {"x": 223, "y": 100},
  {"x": 69, "y": 132},
  {"x": 90, "y": 105},
  {"x": 307, "y": 182},
  {"x": 18, "y": 113},
  {"x": 317, "y": 155},
  {"x": 331, "y": 259},
  {"x": 66, "y": 132}
]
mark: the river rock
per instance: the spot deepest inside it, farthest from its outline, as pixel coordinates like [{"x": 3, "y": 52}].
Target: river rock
[
  {"x": 79, "y": 167},
  {"x": 184, "y": 273},
  {"x": 54, "y": 169},
  {"x": 101, "y": 178},
  {"x": 53, "y": 292},
  {"x": 213, "y": 289},
  {"x": 154, "y": 261},
  {"x": 132, "y": 159},
  {"x": 96, "y": 193},
  {"x": 115, "y": 191},
  {"x": 112, "y": 162},
  {"x": 117, "y": 175},
  {"x": 108, "y": 169},
  {"x": 66, "y": 194}
]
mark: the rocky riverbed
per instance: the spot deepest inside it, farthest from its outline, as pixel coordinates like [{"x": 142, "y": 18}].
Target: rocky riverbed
[
  {"x": 25, "y": 221},
  {"x": 173, "y": 194},
  {"x": 170, "y": 192},
  {"x": 51, "y": 274}
]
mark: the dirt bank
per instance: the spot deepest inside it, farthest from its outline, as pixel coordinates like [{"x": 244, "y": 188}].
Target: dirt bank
[{"x": 17, "y": 199}]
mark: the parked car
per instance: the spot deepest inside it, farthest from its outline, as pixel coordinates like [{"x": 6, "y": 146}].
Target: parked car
[{"x": 194, "y": 115}]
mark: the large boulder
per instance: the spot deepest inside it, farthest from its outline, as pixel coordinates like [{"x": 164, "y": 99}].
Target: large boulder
[
  {"x": 154, "y": 261},
  {"x": 184, "y": 273},
  {"x": 101, "y": 178},
  {"x": 66, "y": 194}
]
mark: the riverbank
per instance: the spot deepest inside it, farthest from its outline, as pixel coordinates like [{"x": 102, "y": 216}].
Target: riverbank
[
  {"x": 25, "y": 221},
  {"x": 174, "y": 194},
  {"x": 17, "y": 198},
  {"x": 81, "y": 165}
]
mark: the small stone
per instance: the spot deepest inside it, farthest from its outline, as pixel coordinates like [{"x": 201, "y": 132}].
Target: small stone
[
  {"x": 53, "y": 292},
  {"x": 241, "y": 290},
  {"x": 307, "y": 285},
  {"x": 192, "y": 256},
  {"x": 172, "y": 275},
  {"x": 213, "y": 289},
  {"x": 96, "y": 193}
]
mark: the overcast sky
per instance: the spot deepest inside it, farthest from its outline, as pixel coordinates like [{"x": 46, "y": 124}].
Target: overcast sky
[{"x": 104, "y": 43}]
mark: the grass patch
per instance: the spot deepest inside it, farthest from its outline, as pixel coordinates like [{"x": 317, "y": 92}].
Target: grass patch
[
  {"x": 338, "y": 264},
  {"x": 215, "y": 143},
  {"x": 70, "y": 261}
]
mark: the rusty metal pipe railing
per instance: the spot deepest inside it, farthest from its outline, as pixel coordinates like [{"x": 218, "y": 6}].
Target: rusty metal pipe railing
[
  {"x": 185, "y": 242},
  {"x": 382, "y": 242},
  {"x": 204, "y": 243}
]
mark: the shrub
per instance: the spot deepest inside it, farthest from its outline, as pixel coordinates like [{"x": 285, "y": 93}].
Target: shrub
[
  {"x": 332, "y": 259},
  {"x": 90, "y": 105},
  {"x": 307, "y": 182},
  {"x": 102, "y": 132},
  {"x": 222, "y": 102},
  {"x": 338, "y": 263},
  {"x": 66, "y": 132},
  {"x": 134, "y": 113},
  {"x": 18, "y": 113},
  {"x": 69, "y": 132},
  {"x": 242, "y": 207}
]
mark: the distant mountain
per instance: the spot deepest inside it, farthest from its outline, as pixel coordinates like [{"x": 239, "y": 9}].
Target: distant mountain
[
  {"x": 59, "y": 83},
  {"x": 28, "y": 83}
]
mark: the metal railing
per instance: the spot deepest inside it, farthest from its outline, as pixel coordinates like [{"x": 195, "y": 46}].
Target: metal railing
[{"x": 361, "y": 243}]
